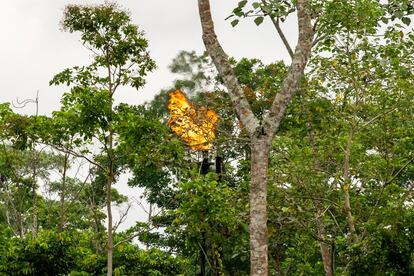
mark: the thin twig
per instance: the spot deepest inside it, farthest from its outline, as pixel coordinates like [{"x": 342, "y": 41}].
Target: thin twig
[{"x": 280, "y": 32}]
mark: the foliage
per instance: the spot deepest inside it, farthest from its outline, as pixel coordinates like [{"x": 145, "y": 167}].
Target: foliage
[{"x": 347, "y": 135}]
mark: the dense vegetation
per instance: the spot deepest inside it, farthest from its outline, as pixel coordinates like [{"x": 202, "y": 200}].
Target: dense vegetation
[{"x": 340, "y": 185}]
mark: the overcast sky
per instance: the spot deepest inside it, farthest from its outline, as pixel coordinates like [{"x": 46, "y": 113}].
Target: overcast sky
[{"x": 34, "y": 49}]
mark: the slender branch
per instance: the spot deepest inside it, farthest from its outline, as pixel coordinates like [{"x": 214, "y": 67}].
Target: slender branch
[
  {"x": 205, "y": 254},
  {"x": 75, "y": 198},
  {"x": 379, "y": 116},
  {"x": 280, "y": 32},
  {"x": 399, "y": 171},
  {"x": 336, "y": 222},
  {"x": 382, "y": 192},
  {"x": 122, "y": 218},
  {"x": 282, "y": 36},
  {"x": 296, "y": 69},
  {"x": 76, "y": 154},
  {"x": 130, "y": 237},
  {"x": 127, "y": 239},
  {"x": 221, "y": 60},
  {"x": 314, "y": 236},
  {"x": 317, "y": 39},
  {"x": 318, "y": 198}
]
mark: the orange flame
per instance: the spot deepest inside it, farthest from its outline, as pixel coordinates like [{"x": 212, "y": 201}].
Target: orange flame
[{"x": 196, "y": 128}]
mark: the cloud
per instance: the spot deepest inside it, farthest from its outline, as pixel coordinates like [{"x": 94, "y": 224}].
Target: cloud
[{"x": 34, "y": 48}]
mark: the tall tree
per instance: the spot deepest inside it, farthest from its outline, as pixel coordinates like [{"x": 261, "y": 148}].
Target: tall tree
[
  {"x": 119, "y": 58},
  {"x": 261, "y": 130}
]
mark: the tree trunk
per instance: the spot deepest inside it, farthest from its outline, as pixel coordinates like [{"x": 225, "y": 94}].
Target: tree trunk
[
  {"x": 324, "y": 247},
  {"x": 97, "y": 226},
  {"x": 258, "y": 206},
  {"x": 320, "y": 225},
  {"x": 109, "y": 209},
  {"x": 16, "y": 214},
  {"x": 34, "y": 195},
  {"x": 260, "y": 131},
  {"x": 63, "y": 194},
  {"x": 110, "y": 176},
  {"x": 346, "y": 186},
  {"x": 149, "y": 221},
  {"x": 205, "y": 166},
  {"x": 109, "y": 182},
  {"x": 216, "y": 261}
]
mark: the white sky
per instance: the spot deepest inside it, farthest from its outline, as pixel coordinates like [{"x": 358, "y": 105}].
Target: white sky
[{"x": 33, "y": 48}]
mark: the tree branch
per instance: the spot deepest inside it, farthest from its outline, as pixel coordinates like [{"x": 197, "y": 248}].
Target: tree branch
[
  {"x": 221, "y": 61},
  {"x": 280, "y": 32},
  {"x": 282, "y": 36},
  {"x": 132, "y": 236},
  {"x": 76, "y": 154},
  {"x": 296, "y": 71},
  {"x": 122, "y": 218}
]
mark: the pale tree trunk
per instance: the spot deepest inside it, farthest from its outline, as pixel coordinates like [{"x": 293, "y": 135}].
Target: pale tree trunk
[
  {"x": 13, "y": 210},
  {"x": 346, "y": 186},
  {"x": 261, "y": 131},
  {"x": 63, "y": 193},
  {"x": 110, "y": 233},
  {"x": 149, "y": 221},
  {"x": 19, "y": 219},
  {"x": 34, "y": 195},
  {"x": 324, "y": 247},
  {"x": 110, "y": 178},
  {"x": 258, "y": 205},
  {"x": 96, "y": 225},
  {"x": 20, "y": 224}
]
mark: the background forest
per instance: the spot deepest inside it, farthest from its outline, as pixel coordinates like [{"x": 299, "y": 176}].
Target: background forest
[{"x": 340, "y": 171}]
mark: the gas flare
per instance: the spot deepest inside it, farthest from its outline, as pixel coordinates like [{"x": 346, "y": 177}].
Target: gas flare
[{"x": 196, "y": 127}]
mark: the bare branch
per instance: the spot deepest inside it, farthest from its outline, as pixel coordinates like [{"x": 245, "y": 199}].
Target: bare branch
[
  {"x": 282, "y": 36},
  {"x": 75, "y": 197},
  {"x": 76, "y": 154},
  {"x": 296, "y": 70},
  {"x": 123, "y": 216},
  {"x": 279, "y": 30},
  {"x": 220, "y": 59},
  {"x": 132, "y": 236}
]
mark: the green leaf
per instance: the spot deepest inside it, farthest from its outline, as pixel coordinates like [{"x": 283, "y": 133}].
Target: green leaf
[
  {"x": 259, "y": 20},
  {"x": 406, "y": 20},
  {"x": 242, "y": 3},
  {"x": 234, "y": 22},
  {"x": 256, "y": 5}
]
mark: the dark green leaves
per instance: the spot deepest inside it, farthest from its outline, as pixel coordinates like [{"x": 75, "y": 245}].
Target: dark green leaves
[
  {"x": 258, "y": 20},
  {"x": 260, "y": 9},
  {"x": 406, "y": 20},
  {"x": 116, "y": 44},
  {"x": 234, "y": 22}
]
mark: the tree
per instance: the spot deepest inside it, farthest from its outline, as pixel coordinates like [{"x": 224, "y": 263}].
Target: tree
[
  {"x": 261, "y": 130},
  {"x": 119, "y": 58},
  {"x": 23, "y": 165},
  {"x": 340, "y": 169},
  {"x": 338, "y": 134}
]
